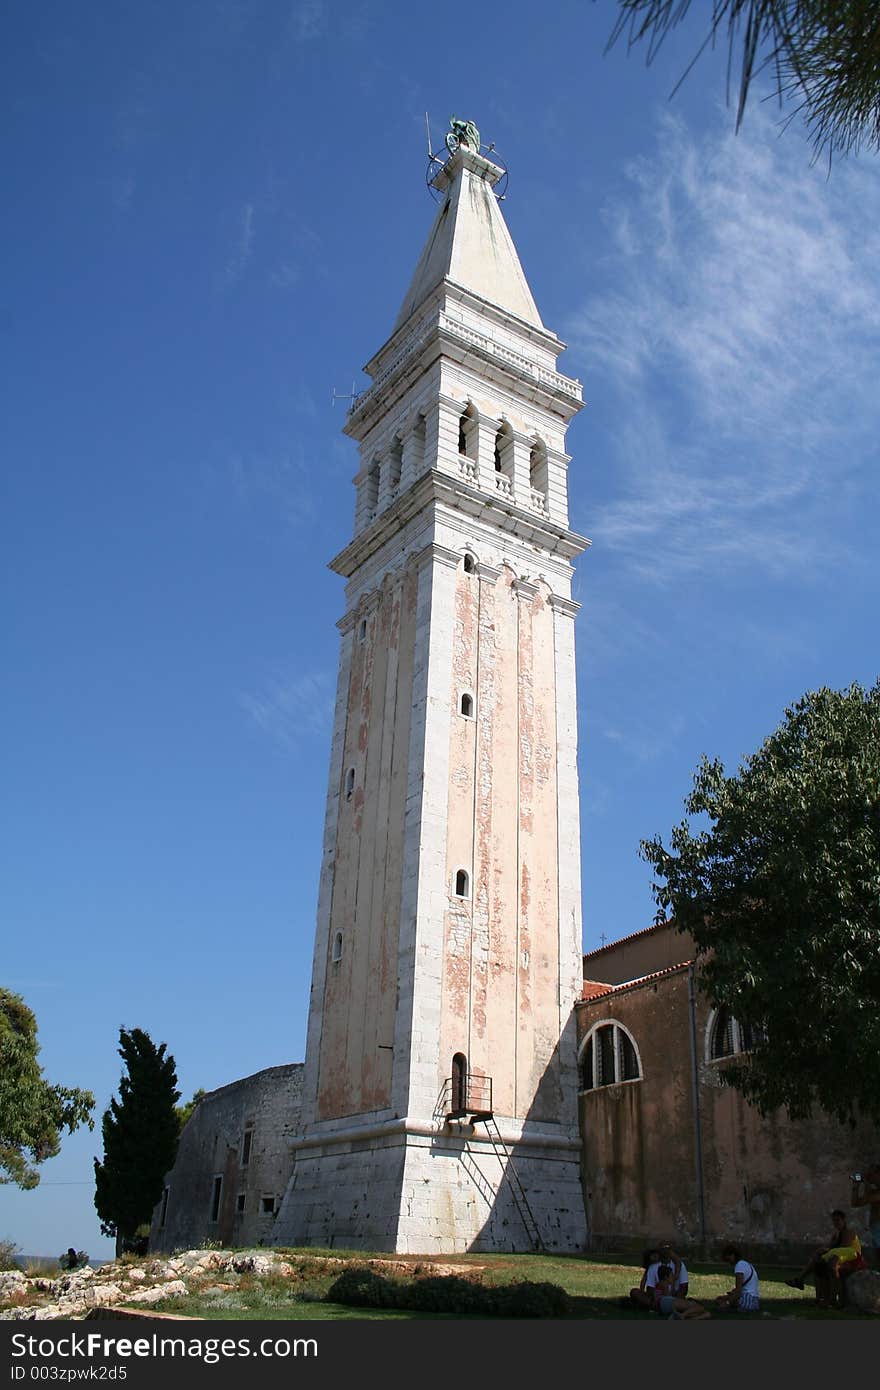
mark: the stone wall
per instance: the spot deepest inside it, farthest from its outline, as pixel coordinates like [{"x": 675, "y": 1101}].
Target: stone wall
[
  {"x": 233, "y": 1164},
  {"x": 769, "y": 1184}
]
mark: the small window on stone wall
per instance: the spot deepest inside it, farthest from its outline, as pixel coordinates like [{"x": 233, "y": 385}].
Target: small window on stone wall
[
  {"x": 164, "y": 1213},
  {"x": 362, "y": 630},
  {"x": 466, "y": 706},
  {"x": 349, "y": 784},
  {"x": 215, "y": 1198},
  {"x": 239, "y": 1202},
  {"x": 267, "y": 1206},
  {"x": 246, "y": 1147},
  {"x": 462, "y": 884},
  {"x": 336, "y": 955},
  {"x": 470, "y": 563},
  {"x": 608, "y": 1056}
]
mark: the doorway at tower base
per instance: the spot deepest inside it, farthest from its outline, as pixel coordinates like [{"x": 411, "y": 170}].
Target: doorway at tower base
[{"x": 413, "y": 1191}]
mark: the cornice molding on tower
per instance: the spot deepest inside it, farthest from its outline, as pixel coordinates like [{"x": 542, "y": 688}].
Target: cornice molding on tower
[
  {"x": 438, "y": 554},
  {"x": 490, "y": 573},
  {"x": 442, "y": 488},
  {"x": 438, "y": 331},
  {"x": 524, "y": 588},
  {"x": 566, "y": 607}
]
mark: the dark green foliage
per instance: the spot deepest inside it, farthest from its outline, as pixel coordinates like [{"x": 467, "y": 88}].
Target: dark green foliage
[
  {"x": 32, "y": 1113},
  {"x": 823, "y": 54},
  {"x": 782, "y": 896},
  {"x": 140, "y": 1132},
  {"x": 364, "y": 1288}
]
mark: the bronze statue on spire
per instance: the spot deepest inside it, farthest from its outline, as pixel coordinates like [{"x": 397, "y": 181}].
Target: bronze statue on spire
[{"x": 462, "y": 133}]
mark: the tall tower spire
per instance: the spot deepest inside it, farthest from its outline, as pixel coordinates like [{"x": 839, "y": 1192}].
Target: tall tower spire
[{"x": 439, "y": 1099}]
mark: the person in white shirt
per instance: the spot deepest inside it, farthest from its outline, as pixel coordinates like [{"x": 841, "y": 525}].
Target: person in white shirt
[
  {"x": 679, "y": 1268},
  {"x": 652, "y": 1259},
  {"x": 745, "y": 1296}
]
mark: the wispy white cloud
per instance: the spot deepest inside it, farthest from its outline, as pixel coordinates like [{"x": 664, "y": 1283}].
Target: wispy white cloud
[
  {"x": 282, "y": 479},
  {"x": 237, "y": 262},
  {"x": 292, "y": 708},
  {"x": 741, "y": 345},
  {"x": 308, "y": 20}
]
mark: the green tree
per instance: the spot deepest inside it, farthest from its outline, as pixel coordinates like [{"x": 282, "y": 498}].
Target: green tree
[
  {"x": 32, "y": 1112},
  {"x": 140, "y": 1132},
  {"x": 186, "y": 1110},
  {"x": 823, "y": 54},
  {"x": 779, "y": 884}
]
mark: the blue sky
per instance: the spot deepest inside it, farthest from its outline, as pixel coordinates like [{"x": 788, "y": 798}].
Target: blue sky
[{"x": 213, "y": 212}]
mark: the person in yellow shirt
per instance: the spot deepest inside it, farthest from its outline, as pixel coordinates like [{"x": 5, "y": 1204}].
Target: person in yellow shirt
[{"x": 827, "y": 1266}]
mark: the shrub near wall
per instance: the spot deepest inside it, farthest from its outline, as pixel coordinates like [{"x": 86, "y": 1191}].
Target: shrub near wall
[{"x": 362, "y": 1288}]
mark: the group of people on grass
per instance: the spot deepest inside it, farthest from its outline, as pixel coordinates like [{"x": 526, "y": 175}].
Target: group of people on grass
[{"x": 664, "y": 1285}]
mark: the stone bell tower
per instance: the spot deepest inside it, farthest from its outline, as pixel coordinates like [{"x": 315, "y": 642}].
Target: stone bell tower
[{"x": 439, "y": 1100}]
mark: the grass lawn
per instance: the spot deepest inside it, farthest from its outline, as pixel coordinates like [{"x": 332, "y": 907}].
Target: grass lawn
[{"x": 597, "y": 1283}]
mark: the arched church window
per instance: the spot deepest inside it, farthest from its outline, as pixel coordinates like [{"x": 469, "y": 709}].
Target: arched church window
[
  {"x": 466, "y": 705},
  {"x": 336, "y": 953},
  {"x": 462, "y": 884},
  {"x": 470, "y": 564},
  {"x": 608, "y": 1055},
  {"x": 726, "y": 1036}
]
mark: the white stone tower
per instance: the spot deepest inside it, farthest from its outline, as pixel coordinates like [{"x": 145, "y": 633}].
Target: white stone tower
[{"x": 439, "y": 1099}]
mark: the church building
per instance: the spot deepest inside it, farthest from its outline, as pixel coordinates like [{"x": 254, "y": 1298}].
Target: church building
[{"x": 470, "y": 1081}]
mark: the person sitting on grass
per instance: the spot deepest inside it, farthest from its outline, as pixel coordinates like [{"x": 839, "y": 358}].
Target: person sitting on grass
[
  {"x": 745, "y": 1294},
  {"x": 833, "y": 1263},
  {"x": 669, "y": 1305},
  {"x": 644, "y": 1294},
  {"x": 679, "y": 1269}
]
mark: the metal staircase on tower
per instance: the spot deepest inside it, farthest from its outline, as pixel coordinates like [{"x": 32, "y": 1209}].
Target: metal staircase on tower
[{"x": 469, "y": 1098}]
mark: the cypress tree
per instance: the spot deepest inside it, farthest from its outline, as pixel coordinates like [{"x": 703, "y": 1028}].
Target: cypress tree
[{"x": 140, "y": 1131}]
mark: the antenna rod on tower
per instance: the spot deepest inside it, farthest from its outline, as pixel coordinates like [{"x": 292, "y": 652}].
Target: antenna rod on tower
[{"x": 428, "y": 129}]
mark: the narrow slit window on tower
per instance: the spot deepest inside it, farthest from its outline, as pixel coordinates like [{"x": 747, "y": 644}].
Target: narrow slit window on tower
[
  {"x": 467, "y": 705},
  {"x": 336, "y": 955},
  {"x": 165, "y": 1192},
  {"x": 240, "y": 1201},
  {"x": 372, "y": 489},
  {"x": 395, "y": 464},
  {"x": 504, "y": 458},
  {"x": 215, "y": 1197},
  {"x": 362, "y": 630},
  {"x": 459, "y": 1086},
  {"x": 246, "y": 1143},
  {"x": 538, "y": 478},
  {"x": 349, "y": 784},
  {"x": 467, "y": 433},
  {"x": 462, "y": 884}
]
